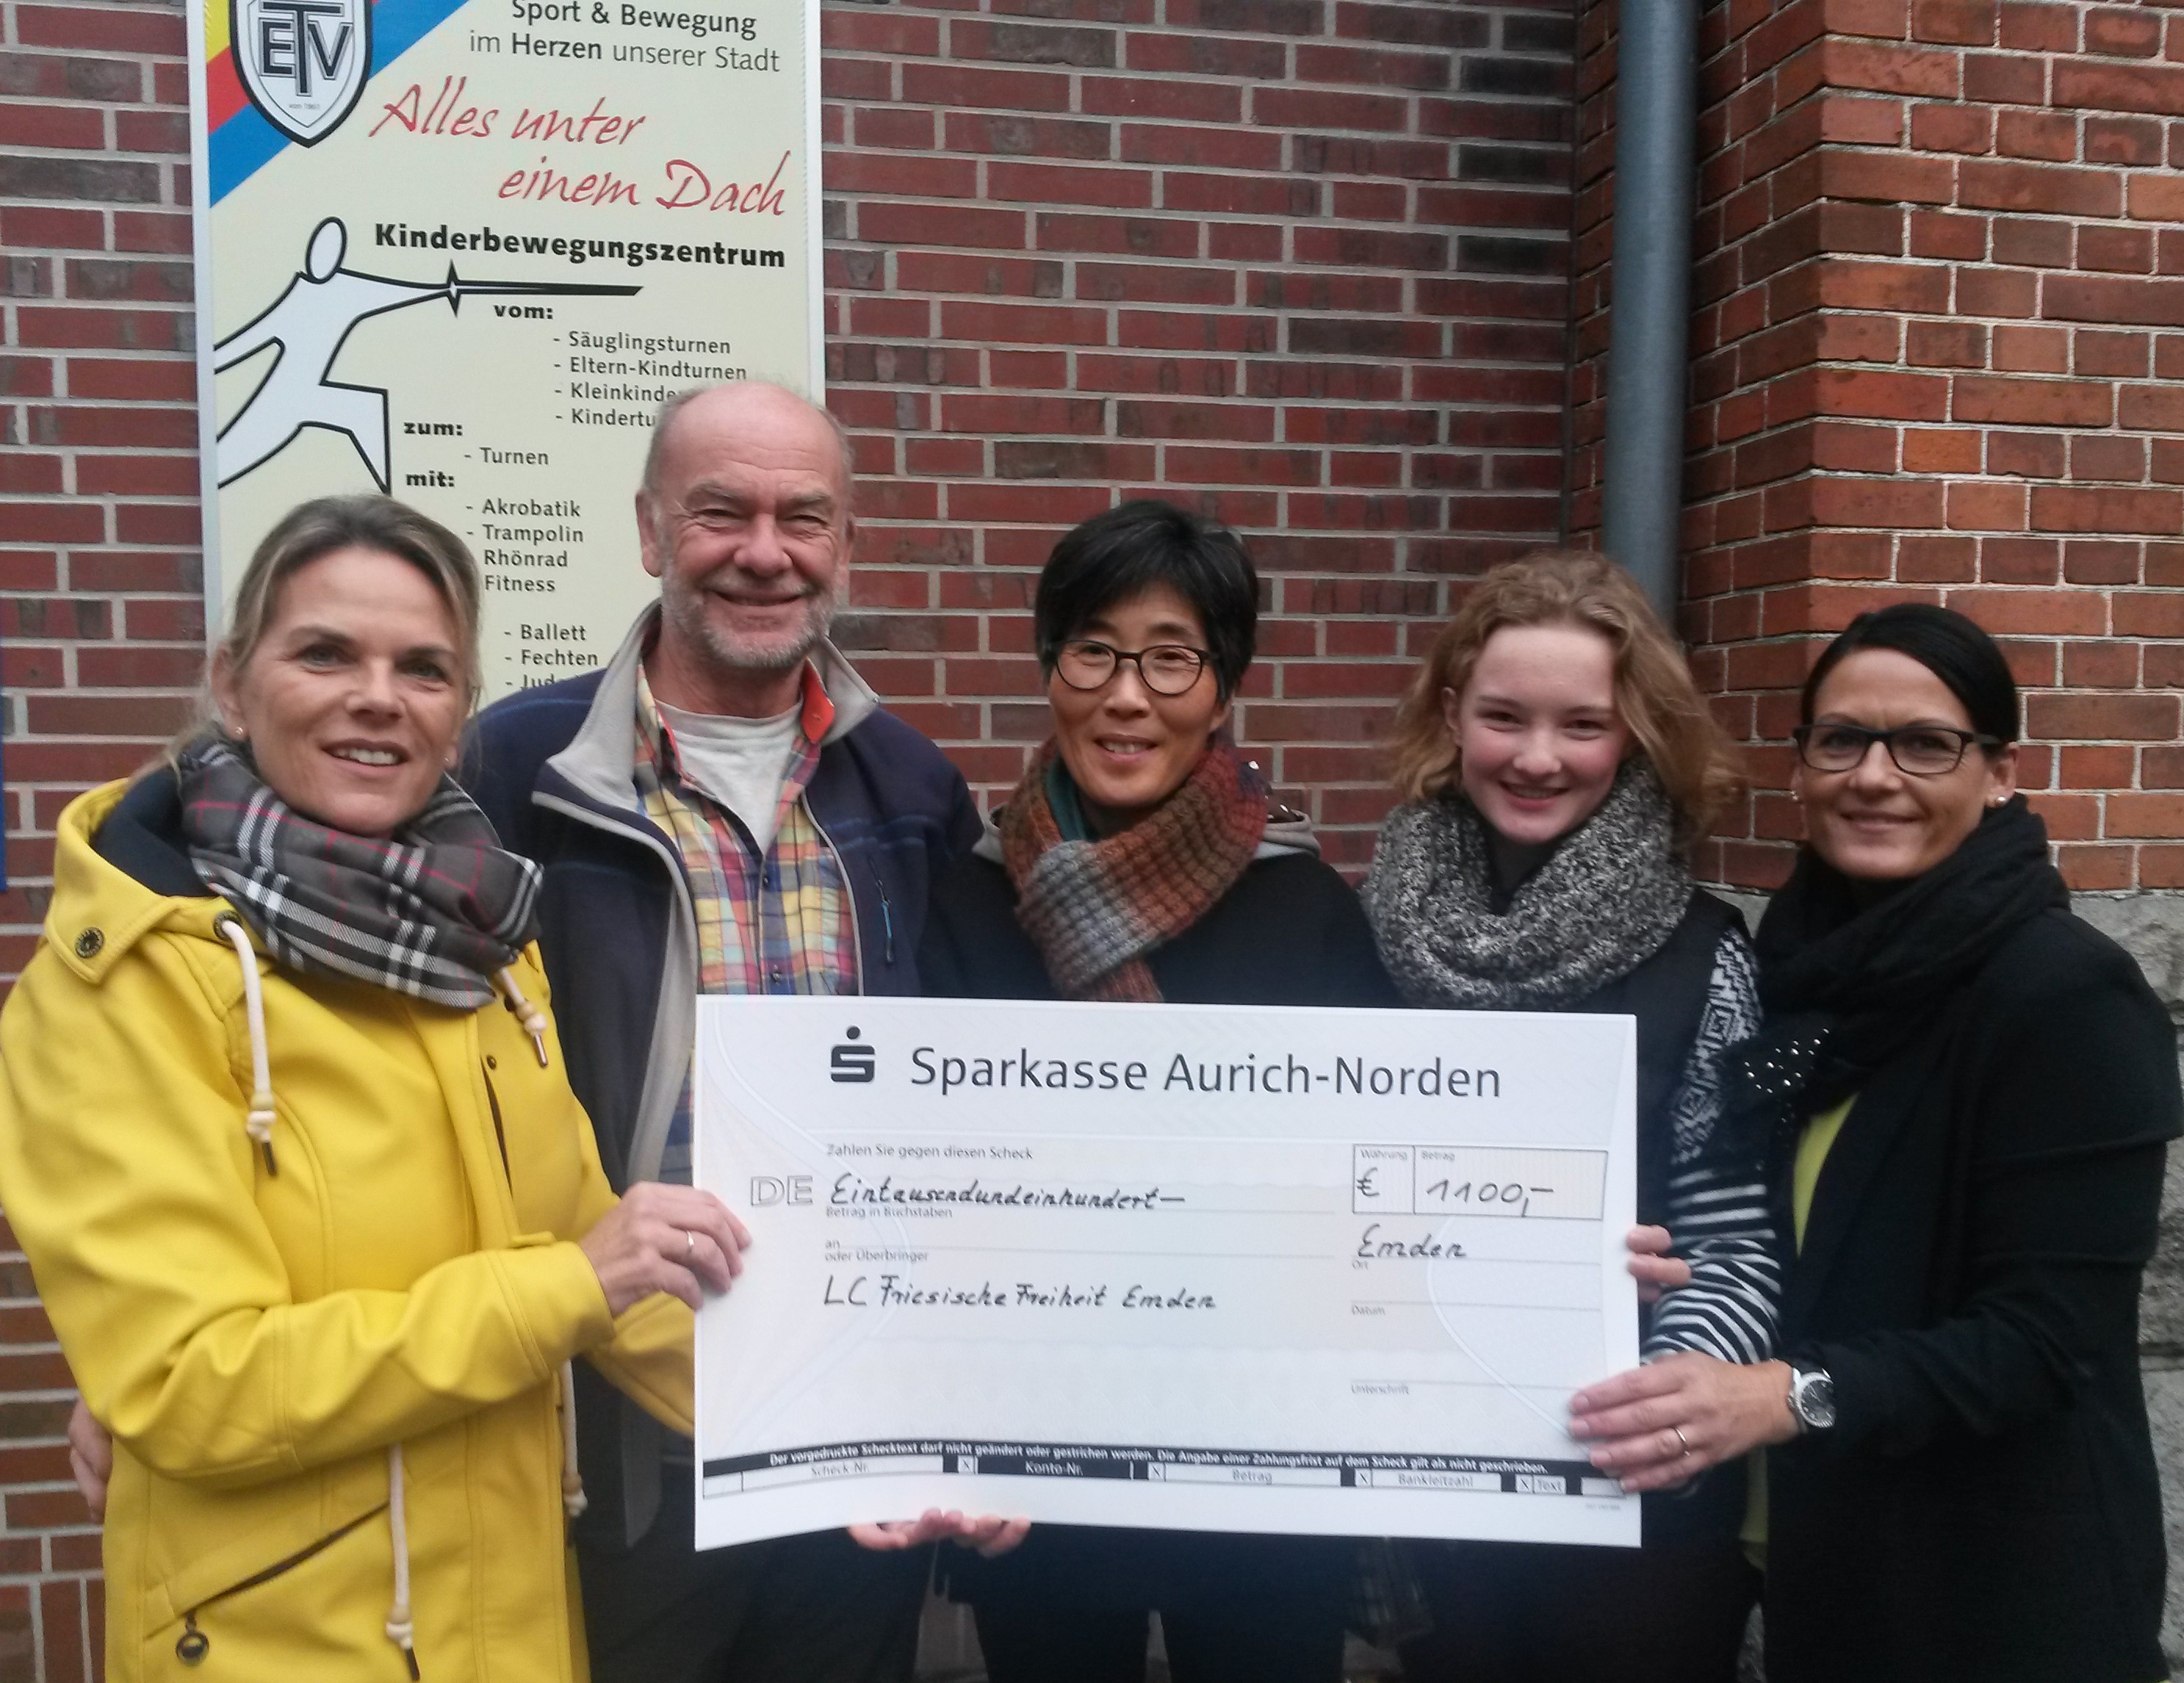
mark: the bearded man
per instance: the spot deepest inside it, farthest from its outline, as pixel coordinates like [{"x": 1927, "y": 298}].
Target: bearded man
[{"x": 722, "y": 808}]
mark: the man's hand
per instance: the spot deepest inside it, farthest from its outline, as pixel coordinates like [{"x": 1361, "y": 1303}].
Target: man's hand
[
  {"x": 661, "y": 1238},
  {"x": 90, "y": 1459},
  {"x": 1652, "y": 1265},
  {"x": 988, "y": 1533}
]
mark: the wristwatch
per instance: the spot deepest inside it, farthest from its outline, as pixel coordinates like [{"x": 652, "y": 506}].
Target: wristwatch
[{"x": 1812, "y": 1398}]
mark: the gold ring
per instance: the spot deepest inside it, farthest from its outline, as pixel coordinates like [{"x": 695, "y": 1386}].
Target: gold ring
[
  {"x": 1681, "y": 1439},
  {"x": 690, "y": 1249}
]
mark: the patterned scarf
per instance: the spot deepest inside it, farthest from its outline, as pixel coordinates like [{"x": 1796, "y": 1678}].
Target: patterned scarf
[
  {"x": 432, "y": 912},
  {"x": 1607, "y": 899},
  {"x": 1096, "y": 909}
]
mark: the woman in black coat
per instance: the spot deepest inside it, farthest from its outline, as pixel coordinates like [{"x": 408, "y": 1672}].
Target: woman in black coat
[
  {"x": 1968, "y": 1093},
  {"x": 1139, "y": 859}
]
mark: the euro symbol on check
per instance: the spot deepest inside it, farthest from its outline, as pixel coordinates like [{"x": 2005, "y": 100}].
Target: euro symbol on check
[{"x": 1365, "y": 1182}]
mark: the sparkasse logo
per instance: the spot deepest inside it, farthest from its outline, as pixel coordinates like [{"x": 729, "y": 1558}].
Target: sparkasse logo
[{"x": 852, "y": 1062}]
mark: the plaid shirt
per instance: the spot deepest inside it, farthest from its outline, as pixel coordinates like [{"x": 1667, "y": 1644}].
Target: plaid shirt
[{"x": 782, "y": 924}]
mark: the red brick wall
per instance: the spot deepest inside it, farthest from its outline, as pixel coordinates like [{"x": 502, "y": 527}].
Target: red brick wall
[
  {"x": 100, "y": 614},
  {"x": 1939, "y": 314},
  {"x": 1300, "y": 261}
]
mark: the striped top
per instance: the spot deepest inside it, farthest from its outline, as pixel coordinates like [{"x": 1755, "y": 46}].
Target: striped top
[{"x": 1718, "y": 1206}]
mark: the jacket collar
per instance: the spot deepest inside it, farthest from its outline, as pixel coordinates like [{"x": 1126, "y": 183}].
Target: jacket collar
[
  {"x": 108, "y": 895},
  {"x": 143, "y": 836},
  {"x": 601, "y": 759}
]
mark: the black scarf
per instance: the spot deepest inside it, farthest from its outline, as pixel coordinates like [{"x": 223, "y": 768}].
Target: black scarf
[
  {"x": 432, "y": 912},
  {"x": 1847, "y": 985}
]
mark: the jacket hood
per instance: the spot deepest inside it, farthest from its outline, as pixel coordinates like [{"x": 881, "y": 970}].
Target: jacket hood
[
  {"x": 1288, "y": 830},
  {"x": 120, "y": 872},
  {"x": 601, "y": 759}
]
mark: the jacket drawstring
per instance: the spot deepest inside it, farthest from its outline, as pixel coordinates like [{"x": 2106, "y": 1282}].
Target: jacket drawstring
[
  {"x": 573, "y": 1499},
  {"x": 399, "y": 1630},
  {"x": 533, "y": 1018},
  {"x": 259, "y": 1122}
]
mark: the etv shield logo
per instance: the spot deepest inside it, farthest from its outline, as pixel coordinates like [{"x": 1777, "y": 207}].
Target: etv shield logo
[
  {"x": 853, "y": 1063},
  {"x": 304, "y": 63}
]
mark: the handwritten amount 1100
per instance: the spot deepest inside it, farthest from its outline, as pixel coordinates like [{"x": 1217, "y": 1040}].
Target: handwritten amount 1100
[{"x": 1488, "y": 1197}]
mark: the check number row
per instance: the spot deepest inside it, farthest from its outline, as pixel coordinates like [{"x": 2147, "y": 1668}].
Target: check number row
[{"x": 1171, "y": 1473}]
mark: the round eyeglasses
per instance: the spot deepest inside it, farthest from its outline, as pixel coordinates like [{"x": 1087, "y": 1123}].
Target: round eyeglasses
[
  {"x": 1920, "y": 751},
  {"x": 1166, "y": 668}
]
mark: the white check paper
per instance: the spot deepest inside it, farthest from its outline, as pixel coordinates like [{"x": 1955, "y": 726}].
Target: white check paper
[{"x": 1215, "y": 1267}]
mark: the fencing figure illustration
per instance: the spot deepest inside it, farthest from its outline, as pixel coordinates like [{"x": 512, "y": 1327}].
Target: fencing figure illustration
[{"x": 308, "y": 323}]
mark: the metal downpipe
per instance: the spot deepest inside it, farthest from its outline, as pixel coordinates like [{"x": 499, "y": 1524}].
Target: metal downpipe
[{"x": 1650, "y": 285}]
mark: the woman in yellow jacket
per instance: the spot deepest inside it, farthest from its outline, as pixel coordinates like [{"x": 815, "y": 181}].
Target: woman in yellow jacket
[{"x": 284, "y": 1133}]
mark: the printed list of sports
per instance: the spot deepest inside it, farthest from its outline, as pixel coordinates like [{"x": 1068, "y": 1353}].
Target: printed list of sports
[{"x": 460, "y": 250}]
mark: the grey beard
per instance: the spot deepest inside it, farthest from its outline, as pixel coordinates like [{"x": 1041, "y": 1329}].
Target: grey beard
[{"x": 741, "y": 655}]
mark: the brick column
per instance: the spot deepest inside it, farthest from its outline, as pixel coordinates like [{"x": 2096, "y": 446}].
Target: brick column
[
  {"x": 100, "y": 614},
  {"x": 1938, "y": 332},
  {"x": 1939, "y": 297}
]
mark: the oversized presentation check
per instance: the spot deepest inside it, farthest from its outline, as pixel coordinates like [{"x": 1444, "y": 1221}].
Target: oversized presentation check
[{"x": 1218, "y": 1267}]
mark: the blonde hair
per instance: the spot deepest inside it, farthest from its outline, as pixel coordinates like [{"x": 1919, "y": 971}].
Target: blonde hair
[
  {"x": 1698, "y": 766},
  {"x": 318, "y": 527}
]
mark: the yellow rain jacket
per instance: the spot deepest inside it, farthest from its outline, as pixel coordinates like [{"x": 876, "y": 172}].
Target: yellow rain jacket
[{"x": 381, "y": 1296}]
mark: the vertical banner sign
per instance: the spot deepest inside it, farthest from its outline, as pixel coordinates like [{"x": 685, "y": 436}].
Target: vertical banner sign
[{"x": 460, "y": 250}]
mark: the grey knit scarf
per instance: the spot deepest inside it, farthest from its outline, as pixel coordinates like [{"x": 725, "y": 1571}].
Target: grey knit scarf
[{"x": 1606, "y": 900}]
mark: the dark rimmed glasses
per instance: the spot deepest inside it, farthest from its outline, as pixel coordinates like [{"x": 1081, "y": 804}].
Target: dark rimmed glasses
[
  {"x": 1166, "y": 668},
  {"x": 1918, "y": 751}
]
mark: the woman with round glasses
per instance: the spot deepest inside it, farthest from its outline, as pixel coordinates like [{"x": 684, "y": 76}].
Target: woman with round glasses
[
  {"x": 1967, "y": 1093},
  {"x": 1139, "y": 858}
]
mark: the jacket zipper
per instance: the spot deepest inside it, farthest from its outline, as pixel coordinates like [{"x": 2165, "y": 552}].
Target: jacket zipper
[
  {"x": 499, "y": 1133},
  {"x": 608, "y": 825},
  {"x": 856, "y": 927},
  {"x": 191, "y": 1646},
  {"x": 887, "y": 914}
]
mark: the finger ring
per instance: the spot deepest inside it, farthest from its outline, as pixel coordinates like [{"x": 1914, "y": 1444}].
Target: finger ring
[
  {"x": 1681, "y": 1439},
  {"x": 690, "y": 1249}
]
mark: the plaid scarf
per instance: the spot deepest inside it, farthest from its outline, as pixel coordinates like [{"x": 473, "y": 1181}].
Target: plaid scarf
[
  {"x": 1094, "y": 909},
  {"x": 432, "y": 912}
]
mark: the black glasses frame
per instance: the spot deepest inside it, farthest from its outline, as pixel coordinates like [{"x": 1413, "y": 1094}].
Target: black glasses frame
[
  {"x": 1116, "y": 657},
  {"x": 1966, "y": 739}
]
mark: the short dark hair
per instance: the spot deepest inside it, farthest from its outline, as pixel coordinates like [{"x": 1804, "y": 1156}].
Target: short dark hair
[
  {"x": 1130, "y": 549},
  {"x": 1947, "y": 644}
]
